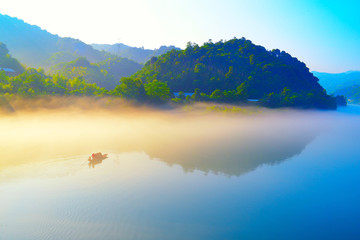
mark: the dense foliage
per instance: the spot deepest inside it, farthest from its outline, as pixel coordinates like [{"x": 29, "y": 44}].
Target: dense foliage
[
  {"x": 134, "y": 89},
  {"x": 236, "y": 70},
  {"x": 287, "y": 98},
  {"x": 35, "y": 83}
]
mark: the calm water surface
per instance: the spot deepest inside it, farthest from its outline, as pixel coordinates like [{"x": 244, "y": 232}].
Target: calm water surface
[{"x": 287, "y": 178}]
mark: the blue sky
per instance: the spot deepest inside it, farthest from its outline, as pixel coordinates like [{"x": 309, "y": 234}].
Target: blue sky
[{"x": 323, "y": 34}]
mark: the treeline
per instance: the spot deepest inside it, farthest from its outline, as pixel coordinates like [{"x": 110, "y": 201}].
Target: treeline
[
  {"x": 286, "y": 98},
  {"x": 34, "y": 82}
]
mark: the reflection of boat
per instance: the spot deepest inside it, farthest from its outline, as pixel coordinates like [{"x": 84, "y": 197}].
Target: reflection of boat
[{"x": 96, "y": 158}]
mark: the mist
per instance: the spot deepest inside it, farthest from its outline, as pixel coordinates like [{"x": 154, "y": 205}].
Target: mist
[{"x": 194, "y": 137}]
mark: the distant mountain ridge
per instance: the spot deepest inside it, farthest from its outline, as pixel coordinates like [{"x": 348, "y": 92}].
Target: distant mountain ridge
[
  {"x": 36, "y": 47},
  {"x": 333, "y": 82},
  {"x": 139, "y": 55}
]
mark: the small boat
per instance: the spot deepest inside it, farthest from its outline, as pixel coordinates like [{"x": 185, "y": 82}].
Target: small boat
[{"x": 97, "y": 157}]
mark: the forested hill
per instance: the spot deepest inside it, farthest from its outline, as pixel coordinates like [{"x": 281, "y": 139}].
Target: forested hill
[
  {"x": 139, "y": 55},
  {"x": 36, "y": 47},
  {"x": 238, "y": 69}
]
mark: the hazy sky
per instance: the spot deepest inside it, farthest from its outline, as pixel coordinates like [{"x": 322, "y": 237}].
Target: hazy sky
[{"x": 325, "y": 34}]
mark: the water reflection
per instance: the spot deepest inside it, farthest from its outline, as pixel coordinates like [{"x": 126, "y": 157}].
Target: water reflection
[
  {"x": 236, "y": 155},
  {"x": 93, "y": 163}
]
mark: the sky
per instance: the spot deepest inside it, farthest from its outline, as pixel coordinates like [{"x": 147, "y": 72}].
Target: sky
[{"x": 325, "y": 34}]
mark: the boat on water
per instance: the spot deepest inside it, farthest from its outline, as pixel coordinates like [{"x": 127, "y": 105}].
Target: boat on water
[{"x": 97, "y": 157}]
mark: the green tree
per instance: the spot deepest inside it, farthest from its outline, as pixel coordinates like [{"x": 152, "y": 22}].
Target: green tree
[
  {"x": 200, "y": 68},
  {"x": 157, "y": 91},
  {"x": 196, "y": 96},
  {"x": 217, "y": 95},
  {"x": 182, "y": 95},
  {"x": 130, "y": 88}
]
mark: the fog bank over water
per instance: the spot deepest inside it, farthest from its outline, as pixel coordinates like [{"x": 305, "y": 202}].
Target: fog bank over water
[{"x": 194, "y": 138}]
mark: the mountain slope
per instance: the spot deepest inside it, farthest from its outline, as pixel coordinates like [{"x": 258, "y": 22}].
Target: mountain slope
[
  {"x": 7, "y": 61},
  {"x": 81, "y": 67},
  {"x": 106, "y": 74},
  {"x": 140, "y": 55},
  {"x": 334, "y": 82},
  {"x": 36, "y": 47}
]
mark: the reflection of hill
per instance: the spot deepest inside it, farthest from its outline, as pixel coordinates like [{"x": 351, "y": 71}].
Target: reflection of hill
[{"x": 236, "y": 155}]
